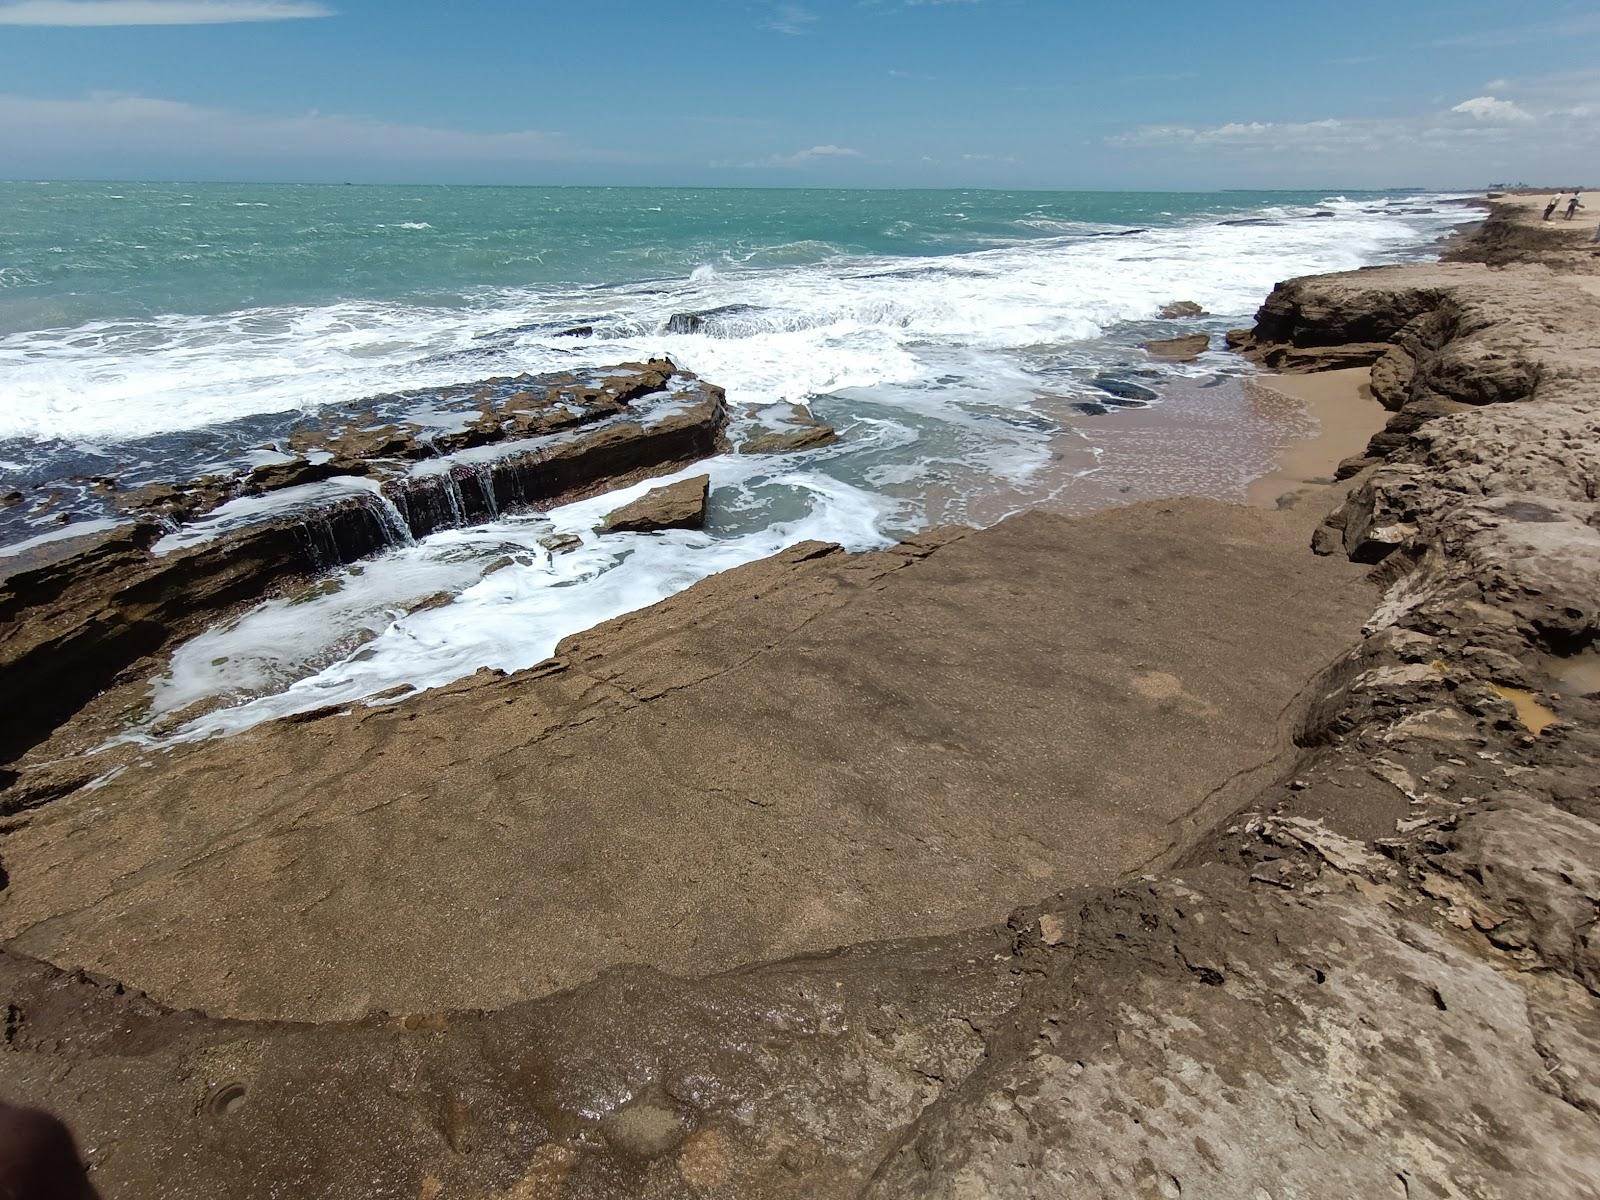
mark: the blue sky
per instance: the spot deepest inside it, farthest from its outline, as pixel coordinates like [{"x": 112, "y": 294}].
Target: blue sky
[{"x": 1004, "y": 93}]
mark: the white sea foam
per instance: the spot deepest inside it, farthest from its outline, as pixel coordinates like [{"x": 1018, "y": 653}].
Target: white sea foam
[
  {"x": 60, "y": 534},
  {"x": 810, "y": 329},
  {"x": 295, "y": 653}
]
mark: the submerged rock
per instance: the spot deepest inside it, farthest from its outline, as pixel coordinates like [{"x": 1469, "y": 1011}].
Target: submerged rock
[
  {"x": 560, "y": 543},
  {"x": 1124, "y": 392},
  {"x": 1179, "y": 349},
  {"x": 700, "y": 322},
  {"x": 799, "y": 431},
  {"x": 1180, "y": 309},
  {"x": 680, "y": 505}
]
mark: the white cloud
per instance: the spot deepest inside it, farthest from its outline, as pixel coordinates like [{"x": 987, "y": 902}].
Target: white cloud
[
  {"x": 141, "y": 127},
  {"x": 887, "y": 6},
  {"x": 801, "y": 158},
  {"x": 1578, "y": 25},
  {"x": 828, "y": 152},
  {"x": 1477, "y": 139},
  {"x": 82, "y": 13},
  {"x": 1487, "y": 108},
  {"x": 1263, "y": 135},
  {"x": 792, "y": 19}
]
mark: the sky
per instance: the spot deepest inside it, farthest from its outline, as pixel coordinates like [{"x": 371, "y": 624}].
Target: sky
[{"x": 839, "y": 93}]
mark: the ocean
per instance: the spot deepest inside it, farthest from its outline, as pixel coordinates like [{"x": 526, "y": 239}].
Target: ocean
[{"x": 976, "y": 350}]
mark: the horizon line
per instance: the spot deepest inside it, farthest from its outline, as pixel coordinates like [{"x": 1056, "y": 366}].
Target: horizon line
[{"x": 747, "y": 187}]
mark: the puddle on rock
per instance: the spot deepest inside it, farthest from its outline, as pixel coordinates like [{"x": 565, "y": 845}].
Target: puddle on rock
[
  {"x": 1535, "y": 716},
  {"x": 1575, "y": 676}
]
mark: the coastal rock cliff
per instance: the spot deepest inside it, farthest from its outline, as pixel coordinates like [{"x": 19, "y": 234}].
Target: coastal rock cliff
[{"x": 1361, "y": 960}]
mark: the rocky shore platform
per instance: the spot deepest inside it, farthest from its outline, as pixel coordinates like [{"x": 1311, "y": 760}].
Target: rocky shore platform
[
  {"x": 87, "y": 613},
  {"x": 1181, "y": 850}
]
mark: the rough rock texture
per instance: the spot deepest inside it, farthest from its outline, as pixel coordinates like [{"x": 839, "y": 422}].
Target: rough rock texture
[
  {"x": 77, "y": 613},
  {"x": 798, "y": 430},
  {"x": 1512, "y": 233},
  {"x": 509, "y": 409},
  {"x": 1181, "y": 309},
  {"x": 811, "y": 750},
  {"x": 680, "y": 505},
  {"x": 73, "y": 619},
  {"x": 1377, "y": 979},
  {"x": 1179, "y": 349}
]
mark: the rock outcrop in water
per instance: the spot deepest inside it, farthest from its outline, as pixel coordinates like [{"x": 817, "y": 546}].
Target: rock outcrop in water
[
  {"x": 707, "y": 321},
  {"x": 1179, "y": 349},
  {"x": 796, "y": 429},
  {"x": 1380, "y": 976},
  {"x": 494, "y": 412},
  {"x": 78, "y": 612},
  {"x": 680, "y": 505}
]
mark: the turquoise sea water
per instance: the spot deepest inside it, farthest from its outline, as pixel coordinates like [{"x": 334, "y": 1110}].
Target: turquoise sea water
[
  {"x": 978, "y": 351},
  {"x": 77, "y": 252}
]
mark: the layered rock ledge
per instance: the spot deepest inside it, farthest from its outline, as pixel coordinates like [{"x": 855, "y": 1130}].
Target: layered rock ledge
[
  {"x": 1371, "y": 968},
  {"x": 77, "y": 613}
]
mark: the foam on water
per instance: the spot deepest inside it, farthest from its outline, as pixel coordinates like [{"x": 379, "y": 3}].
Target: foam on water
[
  {"x": 254, "y": 510},
  {"x": 60, "y": 534},
  {"x": 946, "y": 374},
  {"x": 847, "y": 321},
  {"x": 289, "y": 656}
]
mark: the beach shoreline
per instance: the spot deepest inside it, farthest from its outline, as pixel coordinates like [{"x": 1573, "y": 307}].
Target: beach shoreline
[
  {"x": 1346, "y": 415},
  {"x": 1271, "y": 828}
]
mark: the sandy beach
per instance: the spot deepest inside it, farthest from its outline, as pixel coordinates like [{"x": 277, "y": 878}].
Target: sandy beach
[{"x": 1346, "y": 414}]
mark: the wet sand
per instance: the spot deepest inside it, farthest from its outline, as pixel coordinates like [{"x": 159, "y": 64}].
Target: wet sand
[
  {"x": 1253, "y": 440},
  {"x": 1345, "y": 416}
]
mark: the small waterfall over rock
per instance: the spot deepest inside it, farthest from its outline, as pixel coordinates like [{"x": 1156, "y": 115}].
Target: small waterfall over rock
[
  {"x": 451, "y": 495},
  {"x": 394, "y": 521},
  {"x": 321, "y": 521},
  {"x": 363, "y": 524}
]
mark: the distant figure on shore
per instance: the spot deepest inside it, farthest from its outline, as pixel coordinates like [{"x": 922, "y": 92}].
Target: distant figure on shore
[
  {"x": 1573, "y": 206},
  {"x": 39, "y": 1159},
  {"x": 1549, "y": 209}
]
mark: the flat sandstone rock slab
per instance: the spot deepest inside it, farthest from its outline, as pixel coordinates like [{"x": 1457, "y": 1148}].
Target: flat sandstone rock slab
[
  {"x": 813, "y": 750},
  {"x": 680, "y": 505},
  {"x": 1179, "y": 349}
]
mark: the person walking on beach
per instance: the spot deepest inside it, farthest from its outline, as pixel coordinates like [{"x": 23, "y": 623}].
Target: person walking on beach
[
  {"x": 1573, "y": 206},
  {"x": 1549, "y": 209}
]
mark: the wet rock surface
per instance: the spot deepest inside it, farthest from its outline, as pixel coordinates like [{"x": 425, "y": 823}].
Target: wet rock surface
[
  {"x": 793, "y": 430},
  {"x": 680, "y": 505},
  {"x": 1179, "y": 349},
  {"x": 1377, "y": 977},
  {"x": 78, "y": 612}
]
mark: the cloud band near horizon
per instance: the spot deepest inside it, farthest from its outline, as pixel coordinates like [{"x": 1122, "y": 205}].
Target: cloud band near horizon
[{"x": 84, "y": 14}]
